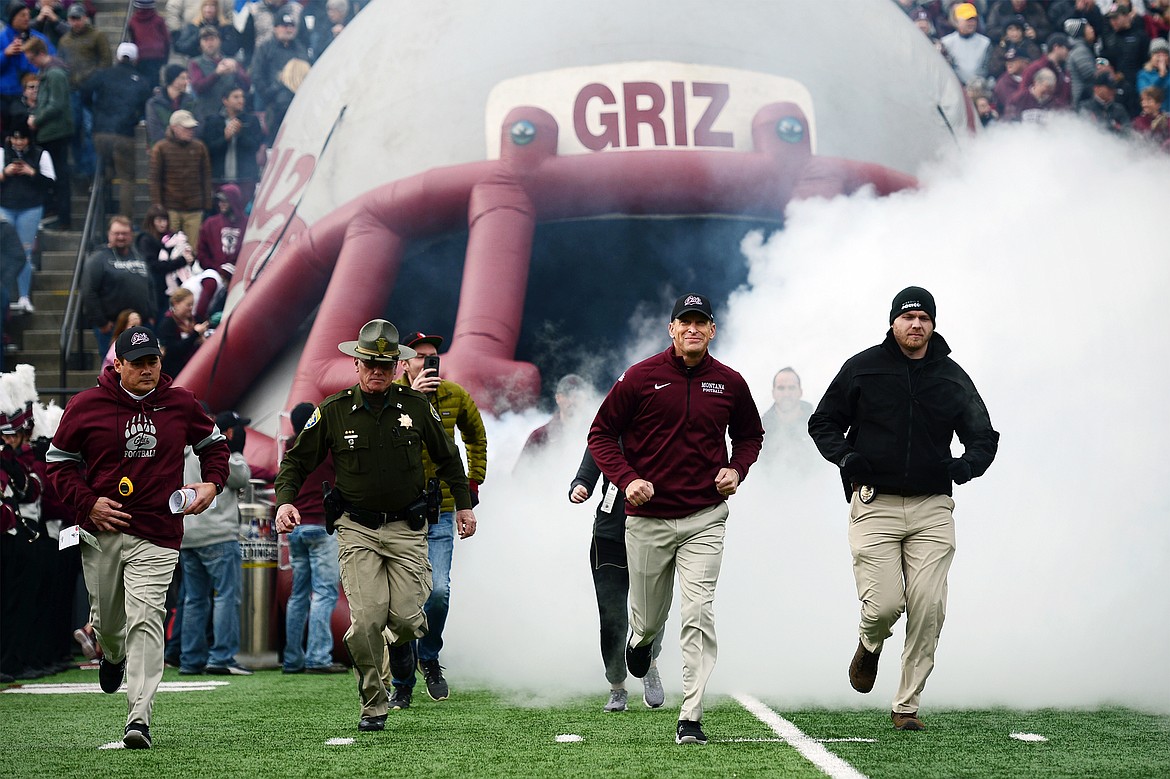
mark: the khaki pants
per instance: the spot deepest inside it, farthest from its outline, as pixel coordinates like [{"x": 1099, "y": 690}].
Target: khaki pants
[
  {"x": 902, "y": 551},
  {"x": 692, "y": 546},
  {"x": 187, "y": 221},
  {"x": 387, "y": 579},
  {"x": 127, "y": 582},
  {"x": 117, "y": 155}
]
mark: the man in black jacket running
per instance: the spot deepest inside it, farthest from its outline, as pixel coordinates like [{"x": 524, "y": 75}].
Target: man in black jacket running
[{"x": 887, "y": 421}]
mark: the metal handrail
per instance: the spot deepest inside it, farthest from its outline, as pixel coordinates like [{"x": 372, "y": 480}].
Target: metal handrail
[
  {"x": 70, "y": 321},
  {"x": 94, "y": 216}
]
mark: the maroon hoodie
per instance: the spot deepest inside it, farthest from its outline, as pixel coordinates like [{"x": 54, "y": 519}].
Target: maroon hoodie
[
  {"x": 668, "y": 424},
  {"x": 222, "y": 235},
  {"x": 106, "y": 435}
]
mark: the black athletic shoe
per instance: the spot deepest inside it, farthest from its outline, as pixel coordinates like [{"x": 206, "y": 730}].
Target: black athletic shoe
[
  {"x": 402, "y": 661},
  {"x": 638, "y": 660},
  {"x": 400, "y": 698},
  {"x": 433, "y": 675},
  {"x": 137, "y": 736},
  {"x": 370, "y": 724},
  {"x": 689, "y": 732},
  {"x": 110, "y": 675}
]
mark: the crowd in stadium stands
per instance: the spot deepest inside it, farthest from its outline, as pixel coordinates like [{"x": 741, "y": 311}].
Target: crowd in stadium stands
[
  {"x": 230, "y": 72},
  {"x": 210, "y": 81},
  {"x": 1021, "y": 60}
]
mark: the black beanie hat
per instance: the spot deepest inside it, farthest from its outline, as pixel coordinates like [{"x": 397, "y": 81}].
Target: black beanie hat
[
  {"x": 912, "y": 299},
  {"x": 171, "y": 73}
]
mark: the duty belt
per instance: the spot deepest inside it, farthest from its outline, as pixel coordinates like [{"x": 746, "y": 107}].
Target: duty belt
[{"x": 374, "y": 519}]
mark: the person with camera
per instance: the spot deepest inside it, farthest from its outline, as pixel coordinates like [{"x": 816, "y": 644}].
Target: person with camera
[
  {"x": 456, "y": 409},
  {"x": 26, "y": 174},
  {"x": 376, "y": 431},
  {"x": 13, "y": 62}
]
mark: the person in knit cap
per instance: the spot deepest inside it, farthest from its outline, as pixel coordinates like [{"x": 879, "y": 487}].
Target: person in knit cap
[
  {"x": 170, "y": 97},
  {"x": 887, "y": 422}
]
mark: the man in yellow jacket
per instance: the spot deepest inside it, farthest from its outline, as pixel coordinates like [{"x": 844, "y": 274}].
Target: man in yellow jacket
[{"x": 456, "y": 409}]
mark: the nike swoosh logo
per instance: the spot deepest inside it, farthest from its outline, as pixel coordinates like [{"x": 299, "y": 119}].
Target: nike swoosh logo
[{"x": 660, "y": 386}]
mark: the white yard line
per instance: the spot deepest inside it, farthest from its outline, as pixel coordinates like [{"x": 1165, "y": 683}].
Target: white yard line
[
  {"x": 73, "y": 688},
  {"x": 812, "y": 750}
]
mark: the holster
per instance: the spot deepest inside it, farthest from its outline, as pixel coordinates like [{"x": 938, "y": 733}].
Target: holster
[
  {"x": 333, "y": 506},
  {"x": 417, "y": 513},
  {"x": 434, "y": 497}
]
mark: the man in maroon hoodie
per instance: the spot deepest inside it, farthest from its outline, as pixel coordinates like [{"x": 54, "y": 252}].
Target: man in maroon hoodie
[
  {"x": 218, "y": 248},
  {"x": 660, "y": 437},
  {"x": 116, "y": 458}
]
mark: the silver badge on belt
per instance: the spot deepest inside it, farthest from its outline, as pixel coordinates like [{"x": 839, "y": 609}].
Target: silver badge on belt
[{"x": 866, "y": 493}]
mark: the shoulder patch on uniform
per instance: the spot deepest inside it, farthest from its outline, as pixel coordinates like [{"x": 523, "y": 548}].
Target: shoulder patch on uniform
[
  {"x": 434, "y": 413},
  {"x": 314, "y": 419},
  {"x": 622, "y": 377}
]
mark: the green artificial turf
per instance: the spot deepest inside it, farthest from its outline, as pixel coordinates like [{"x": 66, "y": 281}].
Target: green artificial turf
[{"x": 271, "y": 724}]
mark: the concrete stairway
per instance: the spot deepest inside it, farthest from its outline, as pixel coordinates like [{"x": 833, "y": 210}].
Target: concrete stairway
[{"x": 36, "y": 337}]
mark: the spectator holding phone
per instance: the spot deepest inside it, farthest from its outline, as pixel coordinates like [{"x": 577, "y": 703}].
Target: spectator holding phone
[{"x": 455, "y": 409}]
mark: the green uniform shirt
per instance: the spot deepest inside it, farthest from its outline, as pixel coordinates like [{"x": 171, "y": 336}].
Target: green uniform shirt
[{"x": 378, "y": 455}]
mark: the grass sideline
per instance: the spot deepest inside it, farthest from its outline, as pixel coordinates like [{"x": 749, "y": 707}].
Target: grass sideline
[{"x": 276, "y": 725}]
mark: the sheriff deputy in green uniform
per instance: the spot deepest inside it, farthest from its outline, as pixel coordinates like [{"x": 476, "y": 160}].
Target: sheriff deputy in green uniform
[{"x": 376, "y": 431}]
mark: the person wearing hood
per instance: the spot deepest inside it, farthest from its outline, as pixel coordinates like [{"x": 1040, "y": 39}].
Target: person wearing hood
[
  {"x": 117, "y": 459},
  {"x": 149, "y": 32},
  {"x": 180, "y": 174},
  {"x": 234, "y": 137},
  {"x": 218, "y": 249}
]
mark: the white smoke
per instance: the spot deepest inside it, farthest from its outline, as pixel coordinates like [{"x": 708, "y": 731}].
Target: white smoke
[{"x": 1046, "y": 251}]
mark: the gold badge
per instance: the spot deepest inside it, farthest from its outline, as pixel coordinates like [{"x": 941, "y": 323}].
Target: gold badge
[
  {"x": 866, "y": 493},
  {"x": 125, "y": 487},
  {"x": 405, "y": 421}
]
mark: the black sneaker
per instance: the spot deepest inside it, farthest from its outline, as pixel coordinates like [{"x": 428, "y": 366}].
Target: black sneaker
[
  {"x": 689, "y": 732},
  {"x": 400, "y": 698},
  {"x": 137, "y": 736},
  {"x": 433, "y": 675},
  {"x": 110, "y": 675},
  {"x": 370, "y": 724},
  {"x": 402, "y": 661},
  {"x": 231, "y": 669},
  {"x": 638, "y": 660}
]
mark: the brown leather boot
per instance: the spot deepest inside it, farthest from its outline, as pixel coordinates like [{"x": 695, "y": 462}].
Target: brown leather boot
[
  {"x": 906, "y": 720},
  {"x": 863, "y": 668}
]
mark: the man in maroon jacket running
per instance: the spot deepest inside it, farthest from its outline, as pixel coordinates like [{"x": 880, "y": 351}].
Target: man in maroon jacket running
[
  {"x": 660, "y": 437},
  {"x": 116, "y": 459}
]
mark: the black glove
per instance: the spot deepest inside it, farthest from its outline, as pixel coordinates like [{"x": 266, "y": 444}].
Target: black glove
[
  {"x": 959, "y": 470},
  {"x": 40, "y": 447},
  {"x": 17, "y": 475},
  {"x": 853, "y": 464}
]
